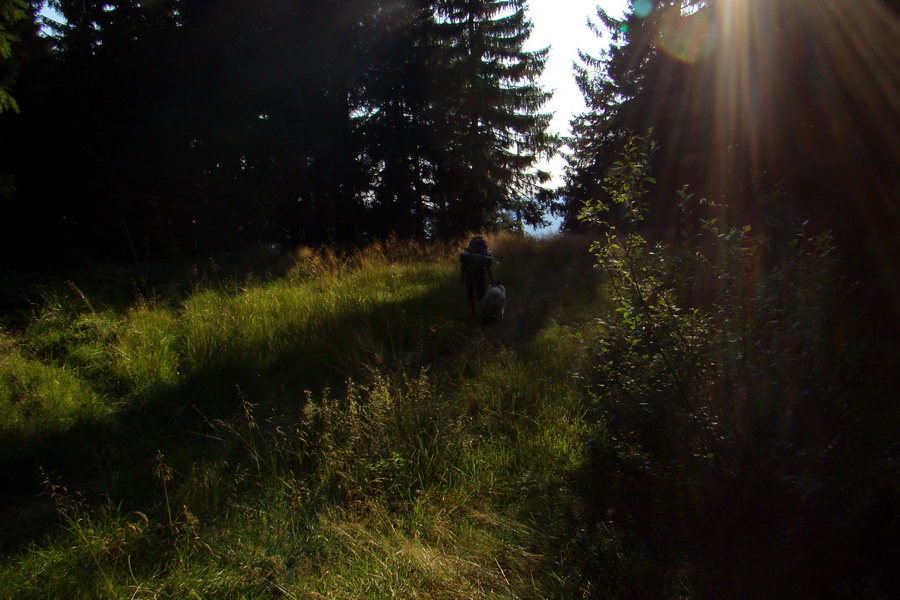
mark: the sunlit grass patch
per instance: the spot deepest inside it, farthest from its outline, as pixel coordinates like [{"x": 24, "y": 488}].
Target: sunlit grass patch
[
  {"x": 148, "y": 348},
  {"x": 344, "y": 430},
  {"x": 460, "y": 554},
  {"x": 36, "y": 397},
  {"x": 311, "y": 332},
  {"x": 88, "y": 558}
]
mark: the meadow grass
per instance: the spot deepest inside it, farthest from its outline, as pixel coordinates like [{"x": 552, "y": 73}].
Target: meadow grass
[
  {"x": 342, "y": 429},
  {"x": 339, "y": 427}
]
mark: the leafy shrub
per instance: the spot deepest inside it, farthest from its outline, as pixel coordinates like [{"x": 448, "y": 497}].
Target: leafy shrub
[{"x": 722, "y": 404}]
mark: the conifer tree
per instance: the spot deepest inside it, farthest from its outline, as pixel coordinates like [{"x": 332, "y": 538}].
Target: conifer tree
[
  {"x": 490, "y": 133},
  {"x": 396, "y": 118},
  {"x": 89, "y": 88},
  {"x": 15, "y": 18},
  {"x": 745, "y": 98},
  {"x": 181, "y": 126},
  {"x": 270, "y": 113},
  {"x": 625, "y": 89}
]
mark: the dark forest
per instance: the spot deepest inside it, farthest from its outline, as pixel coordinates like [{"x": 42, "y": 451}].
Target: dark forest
[
  {"x": 149, "y": 130},
  {"x": 236, "y": 358},
  {"x": 135, "y": 131}
]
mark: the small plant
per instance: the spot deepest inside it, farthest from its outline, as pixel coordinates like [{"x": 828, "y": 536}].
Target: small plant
[
  {"x": 163, "y": 474},
  {"x": 652, "y": 334}
]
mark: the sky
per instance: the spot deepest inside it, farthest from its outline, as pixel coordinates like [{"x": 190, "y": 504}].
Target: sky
[{"x": 561, "y": 25}]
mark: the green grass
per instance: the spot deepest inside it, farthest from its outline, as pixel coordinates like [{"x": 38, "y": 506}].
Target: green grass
[
  {"x": 337, "y": 426},
  {"x": 340, "y": 429}
]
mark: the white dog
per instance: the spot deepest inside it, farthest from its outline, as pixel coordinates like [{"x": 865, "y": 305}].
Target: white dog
[{"x": 494, "y": 303}]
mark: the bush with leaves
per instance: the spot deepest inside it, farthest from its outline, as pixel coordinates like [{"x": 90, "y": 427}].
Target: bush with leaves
[{"x": 722, "y": 400}]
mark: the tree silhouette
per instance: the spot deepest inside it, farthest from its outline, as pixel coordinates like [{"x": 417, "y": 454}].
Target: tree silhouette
[
  {"x": 746, "y": 99},
  {"x": 158, "y": 129},
  {"x": 16, "y": 19},
  {"x": 493, "y": 132}
]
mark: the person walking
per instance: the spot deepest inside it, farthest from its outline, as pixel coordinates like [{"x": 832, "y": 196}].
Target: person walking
[{"x": 475, "y": 263}]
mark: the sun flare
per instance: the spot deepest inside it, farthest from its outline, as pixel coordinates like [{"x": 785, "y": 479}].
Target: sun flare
[{"x": 810, "y": 77}]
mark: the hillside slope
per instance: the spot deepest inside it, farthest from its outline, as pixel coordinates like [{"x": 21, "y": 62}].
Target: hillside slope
[
  {"x": 342, "y": 429},
  {"x": 687, "y": 422}
]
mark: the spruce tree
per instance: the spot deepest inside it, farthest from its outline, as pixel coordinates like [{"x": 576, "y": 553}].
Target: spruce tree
[
  {"x": 16, "y": 17},
  {"x": 625, "y": 88},
  {"x": 396, "y": 118},
  {"x": 489, "y": 132}
]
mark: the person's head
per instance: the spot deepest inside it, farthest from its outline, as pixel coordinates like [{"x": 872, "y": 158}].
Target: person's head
[{"x": 477, "y": 245}]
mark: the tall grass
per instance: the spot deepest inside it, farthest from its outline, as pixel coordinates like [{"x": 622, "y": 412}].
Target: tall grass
[
  {"x": 648, "y": 421},
  {"x": 37, "y": 397},
  {"x": 341, "y": 430}
]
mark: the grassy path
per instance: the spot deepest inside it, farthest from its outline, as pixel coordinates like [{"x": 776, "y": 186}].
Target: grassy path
[
  {"x": 334, "y": 432},
  {"x": 340, "y": 427}
]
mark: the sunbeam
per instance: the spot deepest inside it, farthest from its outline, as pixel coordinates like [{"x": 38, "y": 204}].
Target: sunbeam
[
  {"x": 786, "y": 88},
  {"x": 801, "y": 97},
  {"x": 809, "y": 92}
]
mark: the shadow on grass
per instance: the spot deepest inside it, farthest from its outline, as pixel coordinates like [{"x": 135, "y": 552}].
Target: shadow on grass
[
  {"x": 548, "y": 281},
  {"x": 112, "y": 461}
]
